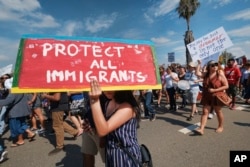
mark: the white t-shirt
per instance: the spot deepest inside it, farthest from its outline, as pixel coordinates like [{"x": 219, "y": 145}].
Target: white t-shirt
[{"x": 169, "y": 81}]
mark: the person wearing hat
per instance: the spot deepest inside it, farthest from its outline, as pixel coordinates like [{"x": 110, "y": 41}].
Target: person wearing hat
[
  {"x": 17, "y": 110},
  {"x": 233, "y": 75},
  {"x": 214, "y": 81},
  {"x": 193, "y": 92}
]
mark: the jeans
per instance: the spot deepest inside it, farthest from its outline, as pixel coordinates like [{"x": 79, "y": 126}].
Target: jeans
[
  {"x": 17, "y": 126},
  {"x": 147, "y": 104},
  {"x": 172, "y": 101},
  {"x": 2, "y": 121}
]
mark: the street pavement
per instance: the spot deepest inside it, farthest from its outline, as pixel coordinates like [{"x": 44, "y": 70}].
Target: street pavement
[{"x": 169, "y": 138}]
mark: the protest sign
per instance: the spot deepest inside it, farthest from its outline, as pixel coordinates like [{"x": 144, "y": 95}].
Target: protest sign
[
  {"x": 210, "y": 44},
  {"x": 171, "y": 57},
  {"x": 214, "y": 57},
  {"x": 54, "y": 63}
]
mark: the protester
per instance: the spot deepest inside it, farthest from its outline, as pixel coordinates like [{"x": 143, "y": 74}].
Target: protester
[
  {"x": 149, "y": 112},
  {"x": 193, "y": 92},
  {"x": 162, "y": 91},
  {"x": 3, "y": 94},
  {"x": 59, "y": 104},
  {"x": 36, "y": 108},
  {"x": 233, "y": 75},
  {"x": 247, "y": 88},
  {"x": 91, "y": 142},
  {"x": 170, "y": 83},
  {"x": 181, "y": 76},
  {"x": 245, "y": 78},
  {"x": 213, "y": 81},
  {"x": 18, "y": 109},
  {"x": 75, "y": 112},
  {"x": 119, "y": 124},
  {"x": 3, "y": 153}
]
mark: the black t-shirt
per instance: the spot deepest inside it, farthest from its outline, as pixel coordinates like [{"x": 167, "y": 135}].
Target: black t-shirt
[
  {"x": 103, "y": 101},
  {"x": 62, "y": 104}
]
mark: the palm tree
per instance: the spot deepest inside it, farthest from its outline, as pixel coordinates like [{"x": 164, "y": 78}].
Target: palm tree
[{"x": 186, "y": 10}]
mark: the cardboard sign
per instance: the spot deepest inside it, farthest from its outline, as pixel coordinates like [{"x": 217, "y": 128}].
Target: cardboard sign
[
  {"x": 52, "y": 64},
  {"x": 210, "y": 44}
]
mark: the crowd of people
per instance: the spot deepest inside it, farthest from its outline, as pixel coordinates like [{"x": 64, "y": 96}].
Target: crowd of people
[{"x": 108, "y": 120}]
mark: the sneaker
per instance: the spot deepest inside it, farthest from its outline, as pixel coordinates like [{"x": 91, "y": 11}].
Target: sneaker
[
  {"x": 190, "y": 118},
  {"x": 146, "y": 118},
  {"x": 153, "y": 117},
  {"x": 182, "y": 106},
  {"x": 3, "y": 155},
  {"x": 55, "y": 151},
  {"x": 232, "y": 107},
  {"x": 40, "y": 131},
  {"x": 51, "y": 133},
  {"x": 210, "y": 116}
]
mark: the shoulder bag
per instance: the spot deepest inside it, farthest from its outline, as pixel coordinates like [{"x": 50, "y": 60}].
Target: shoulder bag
[
  {"x": 145, "y": 154},
  {"x": 223, "y": 97}
]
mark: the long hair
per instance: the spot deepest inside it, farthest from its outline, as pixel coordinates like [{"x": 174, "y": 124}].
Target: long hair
[{"x": 127, "y": 96}]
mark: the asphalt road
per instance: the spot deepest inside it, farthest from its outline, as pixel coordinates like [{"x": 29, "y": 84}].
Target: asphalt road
[{"x": 169, "y": 138}]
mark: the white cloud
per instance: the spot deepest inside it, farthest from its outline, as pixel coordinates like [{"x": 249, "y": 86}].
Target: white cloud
[
  {"x": 160, "y": 41},
  {"x": 148, "y": 18},
  {"x": 240, "y": 49},
  {"x": 25, "y": 12},
  {"x": 240, "y": 32},
  {"x": 102, "y": 22},
  {"x": 219, "y": 3},
  {"x": 171, "y": 33},
  {"x": 70, "y": 28},
  {"x": 40, "y": 20},
  {"x": 9, "y": 52},
  {"x": 160, "y": 9},
  {"x": 21, "y": 5},
  {"x": 240, "y": 15}
]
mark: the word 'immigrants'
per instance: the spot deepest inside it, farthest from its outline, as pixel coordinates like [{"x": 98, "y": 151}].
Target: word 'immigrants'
[
  {"x": 72, "y": 50},
  {"x": 102, "y": 76}
]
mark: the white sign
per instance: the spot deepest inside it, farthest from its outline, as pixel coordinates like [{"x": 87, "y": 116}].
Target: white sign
[
  {"x": 211, "y": 43},
  {"x": 6, "y": 70}
]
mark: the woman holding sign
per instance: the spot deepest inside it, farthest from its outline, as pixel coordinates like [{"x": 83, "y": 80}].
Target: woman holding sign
[
  {"x": 119, "y": 124},
  {"x": 214, "y": 80}
]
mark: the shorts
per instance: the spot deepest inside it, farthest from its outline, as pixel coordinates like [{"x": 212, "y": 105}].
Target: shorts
[
  {"x": 192, "y": 96},
  {"x": 90, "y": 145},
  {"x": 232, "y": 90},
  {"x": 17, "y": 126}
]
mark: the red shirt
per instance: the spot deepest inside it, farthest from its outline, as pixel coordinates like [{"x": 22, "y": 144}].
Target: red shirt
[{"x": 232, "y": 74}]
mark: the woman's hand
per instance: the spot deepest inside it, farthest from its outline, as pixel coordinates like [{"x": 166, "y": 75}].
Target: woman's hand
[
  {"x": 86, "y": 126},
  {"x": 95, "y": 91},
  {"x": 211, "y": 90},
  {"x": 199, "y": 61}
]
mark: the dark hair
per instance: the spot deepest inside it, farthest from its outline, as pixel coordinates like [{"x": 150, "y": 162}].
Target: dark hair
[
  {"x": 208, "y": 67},
  {"x": 231, "y": 59},
  {"x": 127, "y": 96}
]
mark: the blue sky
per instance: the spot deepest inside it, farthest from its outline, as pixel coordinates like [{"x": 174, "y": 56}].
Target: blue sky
[{"x": 154, "y": 20}]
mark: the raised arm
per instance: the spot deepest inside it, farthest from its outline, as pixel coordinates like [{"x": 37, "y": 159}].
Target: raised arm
[{"x": 123, "y": 113}]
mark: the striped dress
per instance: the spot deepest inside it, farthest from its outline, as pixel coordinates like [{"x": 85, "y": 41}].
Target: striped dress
[{"x": 126, "y": 135}]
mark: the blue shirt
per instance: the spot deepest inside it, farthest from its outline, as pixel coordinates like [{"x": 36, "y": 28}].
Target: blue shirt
[{"x": 191, "y": 77}]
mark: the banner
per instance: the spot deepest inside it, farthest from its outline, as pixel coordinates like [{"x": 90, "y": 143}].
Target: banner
[
  {"x": 210, "y": 44},
  {"x": 54, "y": 63}
]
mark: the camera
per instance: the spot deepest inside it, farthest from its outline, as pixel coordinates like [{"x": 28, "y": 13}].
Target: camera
[{"x": 79, "y": 108}]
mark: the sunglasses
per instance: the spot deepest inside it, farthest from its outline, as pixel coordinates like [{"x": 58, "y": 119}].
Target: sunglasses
[
  {"x": 213, "y": 65},
  {"x": 4, "y": 78}
]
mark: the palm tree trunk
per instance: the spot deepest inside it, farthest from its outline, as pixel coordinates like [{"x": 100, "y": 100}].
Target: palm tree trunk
[{"x": 188, "y": 39}]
